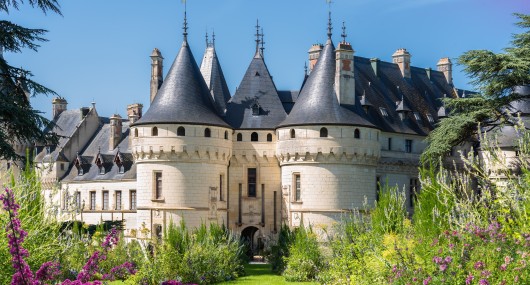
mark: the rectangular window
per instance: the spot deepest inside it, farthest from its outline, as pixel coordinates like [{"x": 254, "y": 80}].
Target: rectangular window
[
  {"x": 78, "y": 200},
  {"x": 251, "y": 176},
  {"x": 105, "y": 200},
  {"x": 297, "y": 188},
  {"x": 389, "y": 143},
  {"x": 408, "y": 146},
  {"x": 220, "y": 187},
  {"x": 417, "y": 116},
  {"x": 62, "y": 166},
  {"x": 93, "y": 200},
  {"x": 118, "y": 200},
  {"x": 65, "y": 200},
  {"x": 132, "y": 199},
  {"x": 158, "y": 185}
]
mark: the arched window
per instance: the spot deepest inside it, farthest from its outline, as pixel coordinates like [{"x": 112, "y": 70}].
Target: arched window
[
  {"x": 254, "y": 137},
  {"x": 154, "y": 131},
  {"x": 226, "y": 135},
  {"x": 357, "y": 134},
  {"x": 269, "y": 137},
  {"x": 181, "y": 131},
  {"x": 135, "y": 133},
  {"x": 293, "y": 134},
  {"x": 323, "y": 133},
  {"x": 207, "y": 133},
  {"x": 239, "y": 137}
]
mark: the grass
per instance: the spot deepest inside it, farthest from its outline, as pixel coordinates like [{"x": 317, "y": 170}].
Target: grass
[
  {"x": 262, "y": 274},
  {"x": 257, "y": 274}
]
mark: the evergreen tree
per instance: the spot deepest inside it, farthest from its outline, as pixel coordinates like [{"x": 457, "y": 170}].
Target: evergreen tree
[
  {"x": 19, "y": 122},
  {"x": 496, "y": 77}
]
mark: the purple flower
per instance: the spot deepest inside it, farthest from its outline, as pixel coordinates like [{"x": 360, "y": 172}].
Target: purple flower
[
  {"x": 427, "y": 280},
  {"x": 478, "y": 265},
  {"x": 448, "y": 259},
  {"x": 443, "y": 267},
  {"x": 437, "y": 259},
  {"x": 483, "y": 282},
  {"x": 469, "y": 279},
  {"x": 48, "y": 271}
]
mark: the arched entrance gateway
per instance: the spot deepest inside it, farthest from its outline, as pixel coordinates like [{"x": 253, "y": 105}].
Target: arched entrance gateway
[{"x": 251, "y": 236}]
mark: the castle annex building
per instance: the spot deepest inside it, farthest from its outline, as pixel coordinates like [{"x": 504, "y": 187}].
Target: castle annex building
[{"x": 252, "y": 160}]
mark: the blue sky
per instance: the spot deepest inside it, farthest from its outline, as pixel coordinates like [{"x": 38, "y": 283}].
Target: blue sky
[{"x": 99, "y": 50}]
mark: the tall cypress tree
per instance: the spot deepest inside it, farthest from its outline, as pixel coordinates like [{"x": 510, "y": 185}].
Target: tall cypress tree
[
  {"x": 19, "y": 122},
  {"x": 496, "y": 76}
]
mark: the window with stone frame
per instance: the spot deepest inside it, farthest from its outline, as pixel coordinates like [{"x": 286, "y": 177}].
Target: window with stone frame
[
  {"x": 323, "y": 132},
  {"x": 92, "y": 200},
  {"x": 132, "y": 199},
  {"x": 408, "y": 146},
  {"x": 157, "y": 185},
  {"x": 77, "y": 200},
  {"x": 221, "y": 181},
  {"x": 117, "y": 200},
  {"x": 105, "y": 200},
  {"x": 297, "y": 187},
  {"x": 251, "y": 181},
  {"x": 254, "y": 137}
]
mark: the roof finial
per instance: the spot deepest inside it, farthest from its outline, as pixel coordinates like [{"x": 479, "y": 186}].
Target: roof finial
[
  {"x": 257, "y": 35},
  {"x": 213, "y": 37},
  {"x": 343, "y": 35},
  {"x": 262, "y": 42},
  {"x": 329, "y": 24},
  {"x": 305, "y": 68},
  {"x": 207, "y": 42},
  {"x": 185, "y": 26}
]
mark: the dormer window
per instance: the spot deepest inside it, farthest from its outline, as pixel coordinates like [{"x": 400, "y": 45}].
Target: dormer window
[
  {"x": 80, "y": 171},
  {"x": 417, "y": 116},
  {"x": 255, "y": 109},
  {"x": 430, "y": 118},
  {"x": 383, "y": 111},
  {"x": 79, "y": 165},
  {"x": 121, "y": 169},
  {"x": 99, "y": 163},
  {"x": 119, "y": 160}
]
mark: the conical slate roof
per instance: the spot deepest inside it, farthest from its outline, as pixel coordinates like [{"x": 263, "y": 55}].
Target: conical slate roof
[
  {"x": 257, "y": 90},
  {"x": 317, "y": 103},
  {"x": 215, "y": 80},
  {"x": 183, "y": 98}
]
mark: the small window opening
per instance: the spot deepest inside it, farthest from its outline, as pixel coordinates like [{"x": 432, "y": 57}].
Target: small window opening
[
  {"x": 269, "y": 137},
  {"x": 323, "y": 133},
  {"x": 254, "y": 137},
  {"x": 357, "y": 134},
  {"x": 207, "y": 133},
  {"x": 226, "y": 135},
  {"x": 239, "y": 137},
  {"x": 293, "y": 134},
  {"x": 135, "y": 133},
  {"x": 181, "y": 132},
  {"x": 154, "y": 132}
]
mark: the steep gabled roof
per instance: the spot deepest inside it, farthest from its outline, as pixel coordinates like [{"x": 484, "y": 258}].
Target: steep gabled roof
[
  {"x": 184, "y": 97},
  {"x": 256, "y": 89},
  {"x": 317, "y": 103},
  {"x": 215, "y": 80}
]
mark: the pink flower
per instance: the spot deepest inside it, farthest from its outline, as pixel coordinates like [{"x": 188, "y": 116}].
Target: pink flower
[
  {"x": 469, "y": 279},
  {"x": 478, "y": 265}
]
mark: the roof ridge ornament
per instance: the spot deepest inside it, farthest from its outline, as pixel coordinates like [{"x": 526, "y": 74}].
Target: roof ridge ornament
[
  {"x": 185, "y": 25},
  {"x": 258, "y": 36},
  {"x": 262, "y": 43},
  {"x": 343, "y": 35},
  {"x": 213, "y": 38},
  {"x": 330, "y": 27}
]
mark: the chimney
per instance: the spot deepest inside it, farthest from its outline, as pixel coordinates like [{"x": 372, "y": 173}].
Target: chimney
[
  {"x": 314, "y": 53},
  {"x": 446, "y": 66},
  {"x": 344, "y": 74},
  {"x": 402, "y": 58},
  {"x": 157, "y": 69},
  {"x": 115, "y": 131},
  {"x": 375, "y": 64},
  {"x": 58, "y": 106},
  {"x": 134, "y": 112}
]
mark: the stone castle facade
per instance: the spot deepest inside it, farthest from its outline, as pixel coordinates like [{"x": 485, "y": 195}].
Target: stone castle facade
[{"x": 252, "y": 161}]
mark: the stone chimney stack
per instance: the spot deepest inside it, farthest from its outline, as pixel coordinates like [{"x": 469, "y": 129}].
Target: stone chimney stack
[
  {"x": 115, "y": 131},
  {"x": 134, "y": 112},
  {"x": 446, "y": 66},
  {"x": 157, "y": 70},
  {"x": 402, "y": 58},
  {"x": 344, "y": 74},
  {"x": 314, "y": 53},
  {"x": 58, "y": 106}
]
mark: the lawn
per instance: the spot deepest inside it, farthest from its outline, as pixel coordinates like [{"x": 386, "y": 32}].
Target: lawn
[
  {"x": 256, "y": 274},
  {"x": 262, "y": 274}
]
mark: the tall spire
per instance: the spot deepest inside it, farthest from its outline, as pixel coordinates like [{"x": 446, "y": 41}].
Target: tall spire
[
  {"x": 213, "y": 37},
  {"x": 257, "y": 36},
  {"x": 185, "y": 26},
  {"x": 329, "y": 25},
  {"x": 262, "y": 42},
  {"x": 343, "y": 35}
]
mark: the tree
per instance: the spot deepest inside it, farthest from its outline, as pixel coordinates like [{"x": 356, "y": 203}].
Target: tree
[
  {"x": 496, "y": 77},
  {"x": 20, "y": 124}
]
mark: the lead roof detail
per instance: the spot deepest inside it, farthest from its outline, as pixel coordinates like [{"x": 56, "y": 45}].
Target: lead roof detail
[
  {"x": 317, "y": 103},
  {"x": 184, "y": 97},
  {"x": 256, "y": 104}
]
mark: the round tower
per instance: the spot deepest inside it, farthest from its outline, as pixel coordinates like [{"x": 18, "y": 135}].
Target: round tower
[
  {"x": 327, "y": 151},
  {"x": 181, "y": 149}
]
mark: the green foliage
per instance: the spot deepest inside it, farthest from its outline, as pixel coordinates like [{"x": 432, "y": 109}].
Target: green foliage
[
  {"x": 279, "y": 251},
  {"x": 495, "y": 76},
  {"x": 205, "y": 255},
  {"x": 305, "y": 260},
  {"x": 43, "y": 241},
  {"x": 390, "y": 211},
  {"x": 20, "y": 122}
]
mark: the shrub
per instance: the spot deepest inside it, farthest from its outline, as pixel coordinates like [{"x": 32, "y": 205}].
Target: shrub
[
  {"x": 279, "y": 251},
  {"x": 389, "y": 212},
  {"x": 305, "y": 259}
]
